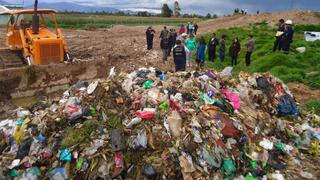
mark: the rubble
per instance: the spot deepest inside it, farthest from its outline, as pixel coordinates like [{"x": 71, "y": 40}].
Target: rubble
[{"x": 162, "y": 125}]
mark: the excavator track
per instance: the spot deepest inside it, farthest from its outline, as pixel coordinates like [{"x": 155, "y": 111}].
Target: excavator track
[{"x": 10, "y": 59}]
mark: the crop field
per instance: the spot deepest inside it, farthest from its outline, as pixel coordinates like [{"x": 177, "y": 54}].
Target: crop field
[{"x": 104, "y": 21}]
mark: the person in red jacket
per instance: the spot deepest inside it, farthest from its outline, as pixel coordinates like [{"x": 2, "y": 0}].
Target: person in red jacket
[{"x": 182, "y": 30}]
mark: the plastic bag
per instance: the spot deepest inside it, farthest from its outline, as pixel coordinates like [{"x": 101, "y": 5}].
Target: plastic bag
[
  {"x": 197, "y": 136},
  {"x": 140, "y": 141},
  {"x": 65, "y": 155},
  {"x": 266, "y": 144},
  {"x": 207, "y": 100},
  {"x": 234, "y": 98},
  {"x": 24, "y": 148},
  {"x": 175, "y": 122},
  {"x": 164, "y": 106},
  {"x": 133, "y": 122},
  {"x": 228, "y": 167},
  {"x": 149, "y": 171},
  {"x": 145, "y": 115},
  {"x": 21, "y": 113},
  {"x": 148, "y": 84},
  {"x": 226, "y": 72},
  {"x": 58, "y": 174}
]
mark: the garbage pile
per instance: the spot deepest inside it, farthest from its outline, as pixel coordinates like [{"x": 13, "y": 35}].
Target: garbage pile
[{"x": 161, "y": 125}]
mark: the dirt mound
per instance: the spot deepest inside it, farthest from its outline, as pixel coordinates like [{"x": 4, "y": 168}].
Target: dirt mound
[{"x": 298, "y": 17}]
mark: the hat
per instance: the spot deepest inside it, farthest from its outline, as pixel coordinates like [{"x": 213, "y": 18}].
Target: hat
[
  {"x": 289, "y": 22},
  {"x": 184, "y": 34},
  {"x": 191, "y": 35}
]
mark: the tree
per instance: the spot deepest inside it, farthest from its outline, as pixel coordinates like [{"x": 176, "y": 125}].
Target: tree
[
  {"x": 176, "y": 9},
  {"x": 143, "y": 13},
  {"x": 208, "y": 16},
  {"x": 166, "y": 11}
]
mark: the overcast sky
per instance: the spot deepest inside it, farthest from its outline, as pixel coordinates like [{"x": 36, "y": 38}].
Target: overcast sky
[{"x": 201, "y": 6}]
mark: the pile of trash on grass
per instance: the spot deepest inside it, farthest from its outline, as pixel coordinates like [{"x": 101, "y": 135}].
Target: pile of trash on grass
[{"x": 154, "y": 125}]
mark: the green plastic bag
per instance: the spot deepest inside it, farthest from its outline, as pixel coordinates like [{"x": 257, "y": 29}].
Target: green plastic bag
[
  {"x": 35, "y": 171},
  {"x": 229, "y": 168},
  {"x": 254, "y": 164},
  {"x": 279, "y": 146},
  {"x": 206, "y": 98},
  {"x": 93, "y": 111},
  {"x": 148, "y": 84},
  {"x": 13, "y": 173},
  {"x": 250, "y": 177},
  {"x": 164, "y": 106}
]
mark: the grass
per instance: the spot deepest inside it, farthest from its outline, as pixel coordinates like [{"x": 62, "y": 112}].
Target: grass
[
  {"x": 76, "y": 136},
  {"x": 313, "y": 105},
  {"x": 105, "y": 21},
  {"x": 294, "y": 67}
]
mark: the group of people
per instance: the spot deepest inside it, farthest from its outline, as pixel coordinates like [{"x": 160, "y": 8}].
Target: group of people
[
  {"x": 189, "y": 29},
  {"x": 234, "y": 49},
  {"x": 284, "y": 36},
  {"x": 184, "y": 46}
]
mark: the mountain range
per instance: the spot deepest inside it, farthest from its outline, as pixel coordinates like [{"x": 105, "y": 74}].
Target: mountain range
[{"x": 67, "y": 6}]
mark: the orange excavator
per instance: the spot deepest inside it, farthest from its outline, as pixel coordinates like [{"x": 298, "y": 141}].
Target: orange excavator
[{"x": 38, "y": 44}]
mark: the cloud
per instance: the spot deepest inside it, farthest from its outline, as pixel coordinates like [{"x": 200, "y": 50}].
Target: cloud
[{"x": 199, "y": 6}]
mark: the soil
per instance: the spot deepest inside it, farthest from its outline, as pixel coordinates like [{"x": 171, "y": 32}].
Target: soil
[{"x": 304, "y": 93}]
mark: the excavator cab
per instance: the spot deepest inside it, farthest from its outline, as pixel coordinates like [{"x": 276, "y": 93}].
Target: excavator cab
[{"x": 39, "y": 45}]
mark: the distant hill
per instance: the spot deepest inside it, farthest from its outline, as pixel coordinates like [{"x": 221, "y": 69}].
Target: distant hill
[{"x": 64, "y": 6}]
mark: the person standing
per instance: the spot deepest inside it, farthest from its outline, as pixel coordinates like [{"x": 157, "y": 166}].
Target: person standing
[
  {"x": 191, "y": 44},
  {"x": 179, "y": 56},
  {"x": 190, "y": 29},
  {"x": 172, "y": 39},
  {"x": 182, "y": 30},
  {"x": 183, "y": 38},
  {"x": 212, "y": 47},
  {"x": 196, "y": 27},
  {"x": 250, "y": 46},
  {"x": 222, "y": 49},
  {"x": 201, "y": 53},
  {"x": 150, "y": 34},
  {"x": 287, "y": 37},
  {"x": 164, "y": 44},
  {"x": 234, "y": 51},
  {"x": 164, "y": 33},
  {"x": 277, "y": 43}
]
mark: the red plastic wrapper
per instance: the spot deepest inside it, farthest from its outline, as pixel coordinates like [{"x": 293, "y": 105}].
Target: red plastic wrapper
[{"x": 145, "y": 115}]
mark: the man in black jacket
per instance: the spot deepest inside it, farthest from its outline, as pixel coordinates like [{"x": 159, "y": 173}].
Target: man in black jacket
[
  {"x": 165, "y": 45},
  {"x": 150, "y": 34},
  {"x": 179, "y": 56},
  {"x": 172, "y": 39},
  {"x": 212, "y": 47},
  {"x": 277, "y": 43}
]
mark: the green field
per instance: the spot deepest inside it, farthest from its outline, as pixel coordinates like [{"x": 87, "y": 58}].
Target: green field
[
  {"x": 295, "y": 67},
  {"x": 104, "y": 21}
]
